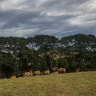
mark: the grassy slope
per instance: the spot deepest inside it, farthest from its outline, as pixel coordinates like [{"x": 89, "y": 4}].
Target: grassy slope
[{"x": 71, "y": 84}]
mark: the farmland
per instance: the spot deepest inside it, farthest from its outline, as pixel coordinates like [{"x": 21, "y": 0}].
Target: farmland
[{"x": 68, "y": 84}]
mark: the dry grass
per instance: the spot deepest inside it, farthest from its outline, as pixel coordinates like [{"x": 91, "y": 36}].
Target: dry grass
[{"x": 71, "y": 84}]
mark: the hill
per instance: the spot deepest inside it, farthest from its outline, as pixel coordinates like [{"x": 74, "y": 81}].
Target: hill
[
  {"x": 76, "y": 53},
  {"x": 69, "y": 84}
]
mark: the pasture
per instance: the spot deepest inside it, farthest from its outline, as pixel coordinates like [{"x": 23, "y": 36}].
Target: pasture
[{"x": 69, "y": 84}]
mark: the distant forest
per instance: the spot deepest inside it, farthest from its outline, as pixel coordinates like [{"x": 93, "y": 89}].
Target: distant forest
[{"x": 76, "y": 53}]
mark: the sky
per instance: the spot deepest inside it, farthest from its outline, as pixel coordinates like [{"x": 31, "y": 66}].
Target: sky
[{"x": 25, "y": 18}]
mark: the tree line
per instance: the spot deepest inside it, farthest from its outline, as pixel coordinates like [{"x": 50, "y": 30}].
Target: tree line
[{"x": 42, "y": 52}]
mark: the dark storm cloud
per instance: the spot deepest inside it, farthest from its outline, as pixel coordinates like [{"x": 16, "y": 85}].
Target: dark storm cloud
[
  {"x": 14, "y": 19},
  {"x": 52, "y": 17}
]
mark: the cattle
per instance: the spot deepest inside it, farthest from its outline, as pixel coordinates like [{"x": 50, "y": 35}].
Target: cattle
[
  {"x": 61, "y": 70},
  {"x": 36, "y": 73},
  {"x": 54, "y": 73},
  {"x": 13, "y": 77},
  {"x": 27, "y": 74},
  {"x": 47, "y": 72}
]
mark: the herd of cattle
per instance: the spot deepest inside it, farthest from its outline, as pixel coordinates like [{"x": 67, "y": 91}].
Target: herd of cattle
[{"x": 47, "y": 72}]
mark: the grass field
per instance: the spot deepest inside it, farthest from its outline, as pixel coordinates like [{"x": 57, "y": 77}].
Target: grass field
[{"x": 69, "y": 84}]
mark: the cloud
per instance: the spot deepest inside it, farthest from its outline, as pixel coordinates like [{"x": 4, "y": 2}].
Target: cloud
[{"x": 25, "y": 18}]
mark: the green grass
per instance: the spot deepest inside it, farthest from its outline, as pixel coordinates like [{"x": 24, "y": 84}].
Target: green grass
[{"x": 69, "y": 84}]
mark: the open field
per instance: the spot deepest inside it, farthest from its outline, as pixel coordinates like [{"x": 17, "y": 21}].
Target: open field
[{"x": 69, "y": 84}]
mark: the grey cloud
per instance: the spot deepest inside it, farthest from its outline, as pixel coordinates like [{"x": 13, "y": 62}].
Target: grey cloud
[
  {"x": 15, "y": 19},
  {"x": 52, "y": 17}
]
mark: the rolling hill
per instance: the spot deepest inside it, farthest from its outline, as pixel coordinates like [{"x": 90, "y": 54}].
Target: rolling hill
[{"x": 69, "y": 84}]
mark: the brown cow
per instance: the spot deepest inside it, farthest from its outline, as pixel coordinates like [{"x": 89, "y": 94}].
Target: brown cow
[
  {"x": 36, "y": 73},
  {"x": 46, "y": 72},
  {"x": 54, "y": 73},
  {"x": 61, "y": 70},
  {"x": 27, "y": 74},
  {"x": 13, "y": 77}
]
